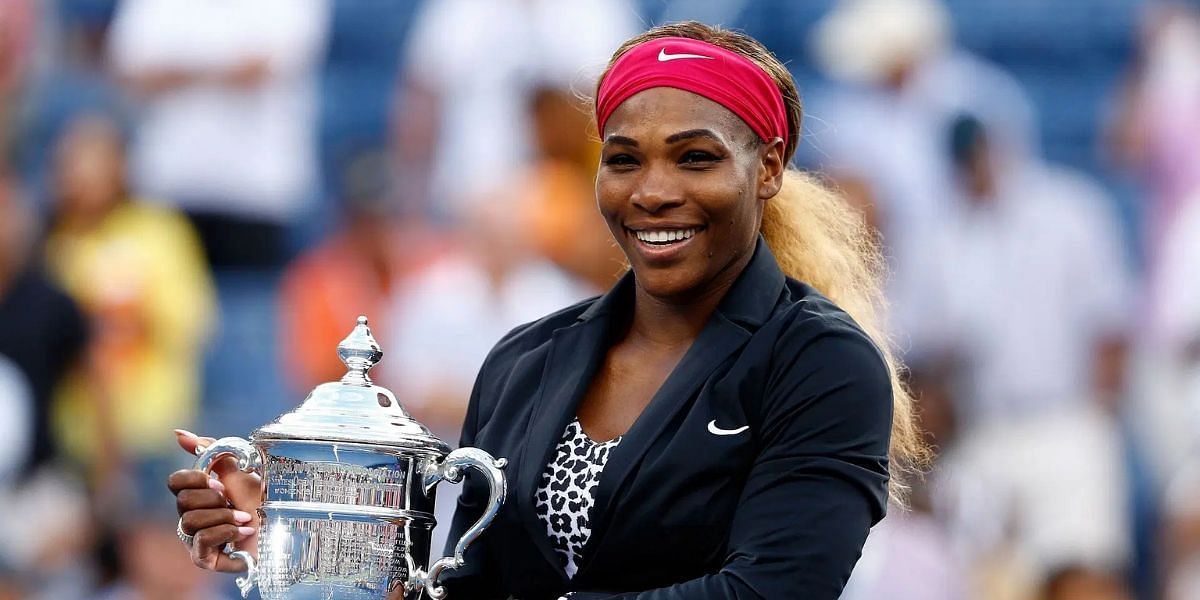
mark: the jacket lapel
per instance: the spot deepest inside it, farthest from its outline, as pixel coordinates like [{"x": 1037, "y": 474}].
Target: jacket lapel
[
  {"x": 719, "y": 339},
  {"x": 746, "y": 306},
  {"x": 575, "y": 354}
]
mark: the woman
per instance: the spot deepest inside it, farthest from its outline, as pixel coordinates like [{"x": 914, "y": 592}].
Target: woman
[{"x": 745, "y": 418}]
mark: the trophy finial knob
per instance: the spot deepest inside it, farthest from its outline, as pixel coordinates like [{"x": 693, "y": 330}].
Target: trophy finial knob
[{"x": 359, "y": 352}]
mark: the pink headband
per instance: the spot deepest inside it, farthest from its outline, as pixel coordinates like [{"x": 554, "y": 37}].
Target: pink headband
[{"x": 723, "y": 76}]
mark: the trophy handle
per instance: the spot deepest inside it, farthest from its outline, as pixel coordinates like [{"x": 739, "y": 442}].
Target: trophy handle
[
  {"x": 450, "y": 470},
  {"x": 249, "y": 460}
]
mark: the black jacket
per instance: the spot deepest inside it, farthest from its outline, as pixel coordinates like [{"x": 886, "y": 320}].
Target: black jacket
[{"x": 777, "y": 511}]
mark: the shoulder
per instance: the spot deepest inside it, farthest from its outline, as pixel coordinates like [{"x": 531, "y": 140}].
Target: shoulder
[
  {"x": 54, "y": 306},
  {"x": 1077, "y": 206},
  {"x": 818, "y": 348},
  {"x": 805, "y": 318},
  {"x": 154, "y": 224}
]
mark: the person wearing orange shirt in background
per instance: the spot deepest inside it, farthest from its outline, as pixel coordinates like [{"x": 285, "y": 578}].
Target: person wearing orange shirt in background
[
  {"x": 558, "y": 196},
  {"x": 356, "y": 271}
]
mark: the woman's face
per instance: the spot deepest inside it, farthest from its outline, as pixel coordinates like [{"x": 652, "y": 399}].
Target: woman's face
[{"x": 681, "y": 184}]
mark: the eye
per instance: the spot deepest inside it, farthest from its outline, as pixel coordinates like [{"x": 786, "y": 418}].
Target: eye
[
  {"x": 620, "y": 161},
  {"x": 698, "y": 157}
]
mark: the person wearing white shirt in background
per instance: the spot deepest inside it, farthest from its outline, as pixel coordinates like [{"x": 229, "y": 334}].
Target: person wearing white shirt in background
[
  {"x": 16, "y": 421},
  {"x": 1177, "y": 306},
  {"x": 901, "y": 82},
  {"x": 1038, "y": 300},
  {"x": 462, "y": 125},
  {"x": 449, "y": 316},
  {"x": 228, "y": 117}
]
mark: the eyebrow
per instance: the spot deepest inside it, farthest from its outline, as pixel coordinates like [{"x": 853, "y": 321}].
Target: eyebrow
[
  {"x": 671, "y": 139},
  {"x": 622, "y": 140},
  {"x": 690, "y": 134}
]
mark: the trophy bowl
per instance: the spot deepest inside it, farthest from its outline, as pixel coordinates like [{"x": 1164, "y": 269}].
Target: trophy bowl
[{"x": 349, "y": 481}]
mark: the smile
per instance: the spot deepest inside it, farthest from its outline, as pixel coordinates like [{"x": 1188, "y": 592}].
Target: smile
[{"x": 665, "y": 237}]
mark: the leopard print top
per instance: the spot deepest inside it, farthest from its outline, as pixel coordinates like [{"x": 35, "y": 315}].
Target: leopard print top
[{"x": 565, "y": 496}]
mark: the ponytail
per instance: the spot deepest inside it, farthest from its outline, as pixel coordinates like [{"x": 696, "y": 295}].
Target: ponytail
[{"x": 821, "y": 240}]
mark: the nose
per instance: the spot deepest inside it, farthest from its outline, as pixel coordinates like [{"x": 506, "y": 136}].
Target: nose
[{"x": 656, "y": 191}]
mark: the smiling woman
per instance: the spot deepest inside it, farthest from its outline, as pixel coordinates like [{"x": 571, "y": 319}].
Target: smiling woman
[{"x": 726, "y": 422}]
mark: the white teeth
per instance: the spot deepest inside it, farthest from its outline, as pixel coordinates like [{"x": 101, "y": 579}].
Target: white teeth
[{"x": 663, "y": 236}]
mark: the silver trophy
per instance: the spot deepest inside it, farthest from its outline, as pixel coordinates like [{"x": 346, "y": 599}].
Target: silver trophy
[{"x": 348, "y": 492}]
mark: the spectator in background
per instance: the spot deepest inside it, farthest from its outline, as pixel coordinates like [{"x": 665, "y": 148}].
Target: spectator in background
[
  {"x": 138, "y": 271},
  {"x": 450, "y": 315},
  {"x": 462, "y": 126},
  {"x": 44, "y": 527},
  {"x": 42, "y": 332},
  {"x": 150, "y": 563},
  {"x": 227, "y": 124},
  {"x": 557, "y": 191},
  {"x": 68, "y": 76},
  {"x": 1037, "y": 302},
  {"x": 1157, "y": 127},
  {"x": 910, "y": 556},
  {"x": 16, "y": 421},
  {"x": 17, "y": 22},
  {"x": 1178, "y": 298},
  {"x": 357, "y": 271},
  {"x": 1074, "y": 583},
  {"x": 1182, "y": 534},
  {"x": 902, "y": 83}
]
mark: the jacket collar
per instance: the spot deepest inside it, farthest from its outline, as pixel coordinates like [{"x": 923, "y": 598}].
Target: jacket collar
[{"x": 749, "y": 302}]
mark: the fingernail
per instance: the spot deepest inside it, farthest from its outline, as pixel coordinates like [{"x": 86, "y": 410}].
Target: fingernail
[
  {"x": 185, "y": 433},
  {"x": 241, "y": 517},
  {"x": 216, "y": 484},
  {"x": 246, "y": 531}
]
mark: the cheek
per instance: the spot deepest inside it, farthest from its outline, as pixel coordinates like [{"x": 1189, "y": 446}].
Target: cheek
[
  {"x": 611, "y": 197},
  {"x": 735, "y": 211}
]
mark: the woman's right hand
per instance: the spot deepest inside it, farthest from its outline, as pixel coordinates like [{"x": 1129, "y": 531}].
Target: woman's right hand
[{"x": 217, "y": 510}]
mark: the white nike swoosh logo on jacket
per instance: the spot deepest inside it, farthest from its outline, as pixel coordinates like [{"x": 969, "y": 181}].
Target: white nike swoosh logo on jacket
[{"x": 713, "y": 429}]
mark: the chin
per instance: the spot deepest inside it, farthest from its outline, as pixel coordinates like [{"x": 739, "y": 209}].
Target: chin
[{"x": 667, "y": 284}]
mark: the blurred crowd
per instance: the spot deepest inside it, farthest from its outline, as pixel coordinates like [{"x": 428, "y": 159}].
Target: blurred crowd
[{"x": 198, "y": 198}]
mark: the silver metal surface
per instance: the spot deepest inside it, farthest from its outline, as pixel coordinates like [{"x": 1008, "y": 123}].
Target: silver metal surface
[
  {"x": 451, "y": 469},
  {"x": 349, "y": 481},
  {"x": 354, "y": 409}
]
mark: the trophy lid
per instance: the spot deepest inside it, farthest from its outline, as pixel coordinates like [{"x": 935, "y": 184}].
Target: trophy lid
[{"x": 354, "y": 410}]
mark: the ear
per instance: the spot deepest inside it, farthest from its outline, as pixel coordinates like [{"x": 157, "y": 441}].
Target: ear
[{"x": 770, "y": 169}]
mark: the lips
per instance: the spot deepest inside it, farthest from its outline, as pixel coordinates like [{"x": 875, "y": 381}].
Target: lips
[{"x": 662, "y": 243}]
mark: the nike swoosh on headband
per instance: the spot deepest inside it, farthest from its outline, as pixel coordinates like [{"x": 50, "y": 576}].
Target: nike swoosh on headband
[
  {"x": 713, "y": 429},
  {"x": 664, "y": 57}
]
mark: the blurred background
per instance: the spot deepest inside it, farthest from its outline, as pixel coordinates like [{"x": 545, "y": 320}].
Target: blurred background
[{"x": 197, "y": 198}]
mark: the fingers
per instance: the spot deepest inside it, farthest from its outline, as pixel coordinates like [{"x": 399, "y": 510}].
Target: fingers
[
  {"x": 244, "y": 490},
  {"x": 194, "y": 521},
  {"x": 188, "y": 440},
  {"x": 206, "y": 546},
  {"x": 187, "y": 479},
  {"x": 194, "y": 490}
]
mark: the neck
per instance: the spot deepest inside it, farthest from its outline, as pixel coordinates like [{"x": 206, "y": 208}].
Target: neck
[{"x": 669, "y": 322}]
